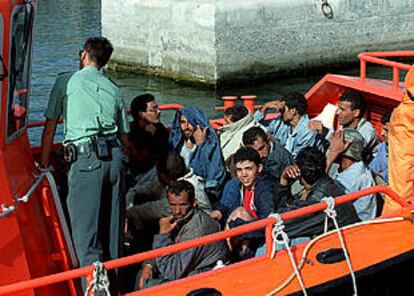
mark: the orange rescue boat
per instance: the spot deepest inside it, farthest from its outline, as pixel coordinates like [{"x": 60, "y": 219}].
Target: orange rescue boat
[{"x": 36, "y": 252}]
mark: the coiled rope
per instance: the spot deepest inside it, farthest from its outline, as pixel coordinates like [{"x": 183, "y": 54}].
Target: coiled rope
[{"x": 280, "y": 237}]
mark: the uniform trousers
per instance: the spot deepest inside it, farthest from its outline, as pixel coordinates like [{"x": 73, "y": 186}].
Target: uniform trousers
[{"x": 96, "y": 205}]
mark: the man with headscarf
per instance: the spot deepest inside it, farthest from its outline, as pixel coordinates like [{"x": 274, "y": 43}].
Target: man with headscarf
[
  {"x": 401, "y": 143},
  {"x": 196, "y": 141}
]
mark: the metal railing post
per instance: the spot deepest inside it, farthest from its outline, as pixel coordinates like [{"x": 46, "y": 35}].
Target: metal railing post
[{"x": 395, "y": 77}]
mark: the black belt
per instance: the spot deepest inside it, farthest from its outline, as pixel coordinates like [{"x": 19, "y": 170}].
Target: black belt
[{"x": 89, "y": 146}]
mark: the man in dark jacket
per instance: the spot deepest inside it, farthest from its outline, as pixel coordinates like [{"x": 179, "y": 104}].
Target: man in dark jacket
[
  {"x": 310, "y": 170},
  {"x": 193, "y": 137},
  {"x": 186, "y": 222},
  {"x": 251, "y": 195},
  {"x": 148, "y": 136},
  {"x": 275, "y": 157}
]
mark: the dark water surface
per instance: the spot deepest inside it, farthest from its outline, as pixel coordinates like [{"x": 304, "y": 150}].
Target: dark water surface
[{"x": 63, "y": 25}]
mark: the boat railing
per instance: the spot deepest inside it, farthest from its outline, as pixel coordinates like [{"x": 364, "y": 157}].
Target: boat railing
[
  {"x": 7, "y": 209},
  {"x": 379, "y": 58},
  {"x": 133, "y": 259},
  {"x": 229, "y": 101}
]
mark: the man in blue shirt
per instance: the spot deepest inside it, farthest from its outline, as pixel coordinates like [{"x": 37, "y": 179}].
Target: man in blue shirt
[
  {"x": 379, "y": 165},
  {"x": 346, "y": 148},
  {"x": 275, "y": 158},
  {"x": 291, "y": 127}
]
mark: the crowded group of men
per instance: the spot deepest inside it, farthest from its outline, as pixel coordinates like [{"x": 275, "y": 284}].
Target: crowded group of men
[{"x": 159, "y": 184}]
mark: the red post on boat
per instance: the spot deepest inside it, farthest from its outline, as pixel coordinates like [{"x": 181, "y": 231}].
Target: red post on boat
[
  {"x": 248, "y": 102},
  {"x": 229, "y": 101}
]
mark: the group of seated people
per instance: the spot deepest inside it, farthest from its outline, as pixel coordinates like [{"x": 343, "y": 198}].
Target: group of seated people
[{"x": 191, "y": 180}]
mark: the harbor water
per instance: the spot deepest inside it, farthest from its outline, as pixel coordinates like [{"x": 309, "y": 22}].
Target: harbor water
[{"x": 63, "y": 25}]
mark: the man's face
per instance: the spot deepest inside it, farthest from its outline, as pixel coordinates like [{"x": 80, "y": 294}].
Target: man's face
[
  {"x": 247, "y": 172},
  {"x": 152, "y": 114},
  {"x": 345, "y": 113},
  {"x": 384, "y": 132},
  {"x": 180, "y": 204},
  {"x": 261, "y": 146},
  {"x": 186, "y": 127}
]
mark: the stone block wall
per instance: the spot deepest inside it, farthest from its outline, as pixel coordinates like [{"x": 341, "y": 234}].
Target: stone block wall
[{"x": 226, "y": 41}]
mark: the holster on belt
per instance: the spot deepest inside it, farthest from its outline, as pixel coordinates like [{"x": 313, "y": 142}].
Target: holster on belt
[{"x": 69, "y": 153}]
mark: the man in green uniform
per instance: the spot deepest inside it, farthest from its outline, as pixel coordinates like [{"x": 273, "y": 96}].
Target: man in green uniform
[{"x": 95, "y": 119}]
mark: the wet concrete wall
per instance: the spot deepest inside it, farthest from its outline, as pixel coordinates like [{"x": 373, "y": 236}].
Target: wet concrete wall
[{"x": 225, "y": 40}]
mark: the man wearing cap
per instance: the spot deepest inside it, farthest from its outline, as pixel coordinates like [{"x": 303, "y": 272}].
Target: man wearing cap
[
  {"x": 347, "y": 148},
  {"x": 95, "y": 119}
]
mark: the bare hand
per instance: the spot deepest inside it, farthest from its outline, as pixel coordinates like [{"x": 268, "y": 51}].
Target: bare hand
[
  {"x": 145, "y": 274},
  {"x": 216, "y": 215},
  {"x": 290, "y": 173},
  {"x": 165, "y": 224},
  {"x": 200, "y": 134},
  {"x": 316, "y": 125},
  {"x": 278, "y": 105},
  {"x": 338, "y": 145}
]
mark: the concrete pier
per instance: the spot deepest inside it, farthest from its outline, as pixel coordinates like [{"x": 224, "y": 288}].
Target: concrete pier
[{"x": 222, "y": 41}]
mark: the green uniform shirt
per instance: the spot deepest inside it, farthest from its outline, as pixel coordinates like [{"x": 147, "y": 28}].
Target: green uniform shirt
[
  {"x": 90, "y": 103},
  {"x": 58, "y": 97}
]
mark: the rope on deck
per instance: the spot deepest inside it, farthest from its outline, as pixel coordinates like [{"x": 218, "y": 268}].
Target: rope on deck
[
  {"x": 331, "y": 214},
  {"x": 280, "y": 237},
  {"x": 316, "y": 239}
]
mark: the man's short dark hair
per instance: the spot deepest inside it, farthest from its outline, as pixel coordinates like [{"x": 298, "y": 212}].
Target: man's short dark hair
[
  {"x": 252, "y": 134},
  {"x": 182, "y": 186},
  {"x": 296, "y": 100},
  {"x": 139, "y": 104},
  {"x": 386, "y": 117},
  {"x": 247, "y": 153},
  {"x": 236, "y": 112},
  {"x": 312, "y": 164},
  {"x": 356, "y": 99},
  {"x": 99, "y": 50},
  {"x": 172, "y": 165}
]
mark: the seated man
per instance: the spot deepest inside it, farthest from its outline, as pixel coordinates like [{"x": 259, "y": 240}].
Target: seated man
[
  {"x": 169, "y": 170},
  {"x": 274, "y": 157},
  {"x": 238, "y": 120},
  {"x": 245, "y": 199},
  {"x": 186, "y": 222},
  {"x": 291, "y": 128},
  {"x": 148, "y": 136},
  {"x": 251, "y": 194},
  {"x": 309, "y": 170},
  {"x": 379, "y": 165},
  {"x": 193, "y": 137},
  {"x": 347, "y": 148},
  {"x": 351, "y": 111}
]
